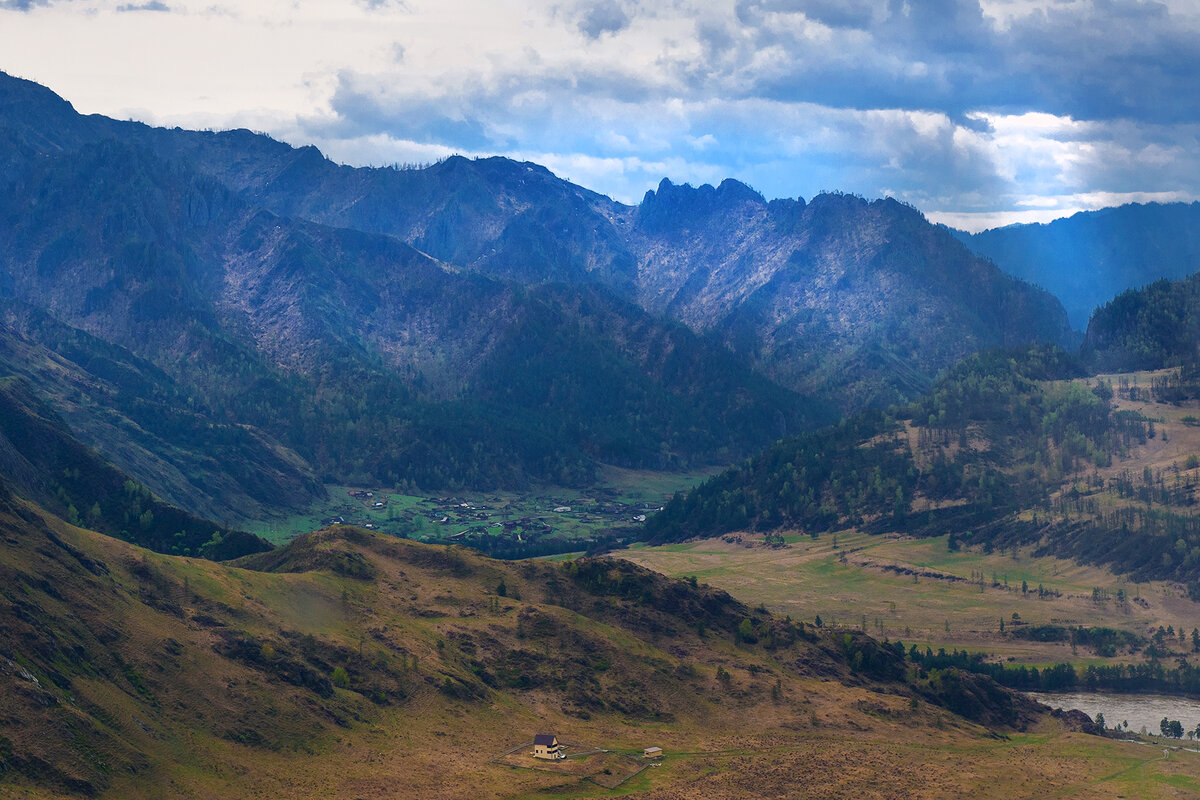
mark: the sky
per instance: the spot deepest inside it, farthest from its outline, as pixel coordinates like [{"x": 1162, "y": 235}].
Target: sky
[{"x": 978, "y": 112}]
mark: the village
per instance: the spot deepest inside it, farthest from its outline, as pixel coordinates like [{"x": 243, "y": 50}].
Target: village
[{"x": 493, "y": 521}]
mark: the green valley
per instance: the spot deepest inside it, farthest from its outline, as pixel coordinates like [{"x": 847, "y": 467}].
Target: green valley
[{"x": 503, "y": 523}]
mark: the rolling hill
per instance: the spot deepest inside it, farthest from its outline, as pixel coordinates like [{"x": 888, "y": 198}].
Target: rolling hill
[{"x": 354, "y": 665}]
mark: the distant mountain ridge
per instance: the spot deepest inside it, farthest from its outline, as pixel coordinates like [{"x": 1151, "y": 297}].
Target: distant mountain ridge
[
  {"x": 1088, "y": 258},
  {"x": 476, "y": 322},
  {"x": 713, "y": 258},
  {"x": 721, "y": 259}
]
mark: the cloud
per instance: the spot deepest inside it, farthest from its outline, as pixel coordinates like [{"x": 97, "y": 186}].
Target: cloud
[
  {"x": 151, "y": 5},
  {"x": 29, "y": 5},
  {"x": 792, "y": 97},
  {"x": 406, "y": 114},
  {"x": 380, "y": 150},
  {"x": 956, "y": 106},
  {"x": 840, "y": 13},
  {"x": 1095, "y": 59},
  {"x": 377, "y": 5},
  {"x": 602, "y": 17}
]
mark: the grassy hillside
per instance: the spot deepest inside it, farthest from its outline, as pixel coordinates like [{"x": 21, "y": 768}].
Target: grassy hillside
[{"x": 351, "y": 665}]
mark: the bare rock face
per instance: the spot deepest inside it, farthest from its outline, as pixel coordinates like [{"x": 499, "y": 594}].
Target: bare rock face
[{"x": 865, "y": 300}]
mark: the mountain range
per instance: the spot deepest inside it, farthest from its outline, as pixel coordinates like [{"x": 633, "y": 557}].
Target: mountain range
[{"x": 475, "y": 322}]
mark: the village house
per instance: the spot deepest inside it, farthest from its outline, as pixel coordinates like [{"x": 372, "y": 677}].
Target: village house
[
  {"x": 545, "y": 745},
  {"x": 652, "y": 752}
]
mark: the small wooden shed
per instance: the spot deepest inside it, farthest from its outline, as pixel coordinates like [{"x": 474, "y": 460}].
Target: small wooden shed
[{"x": 652, "y": 752}]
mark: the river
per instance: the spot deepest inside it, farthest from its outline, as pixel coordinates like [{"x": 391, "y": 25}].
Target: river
[{"x": 1139, "y": 710}]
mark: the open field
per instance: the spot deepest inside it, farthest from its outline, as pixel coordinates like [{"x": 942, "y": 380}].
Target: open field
[
  {"x": 918, "y": 591},
  {"x": 830, "y": 764}
]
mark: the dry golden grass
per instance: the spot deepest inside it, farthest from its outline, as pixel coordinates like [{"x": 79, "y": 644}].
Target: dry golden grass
[
  {"x": 818, "y": 738},
  {"x": 842, "y": 585}
]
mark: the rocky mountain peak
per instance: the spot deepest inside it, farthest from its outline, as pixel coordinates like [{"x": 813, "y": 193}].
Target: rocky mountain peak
[{"x": 685, "y": 206}]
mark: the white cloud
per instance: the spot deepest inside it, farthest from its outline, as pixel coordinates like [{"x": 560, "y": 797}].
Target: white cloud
[{"x": 976, "y": 221}]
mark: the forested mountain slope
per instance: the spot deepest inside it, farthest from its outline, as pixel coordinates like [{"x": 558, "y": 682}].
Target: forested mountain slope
[
  {"x": 150, "y": 425},
  {"x": 866, "y": 300},
  {"x": 1007, "y": 450},
  {"x": 365, "y": 358},
  {"x": 1152, "y": 327},
  {"x": 45, "y": 463}
]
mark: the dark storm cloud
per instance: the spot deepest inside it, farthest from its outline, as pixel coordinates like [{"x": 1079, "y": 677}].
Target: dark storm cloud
[
  {"x": 1110, "y": 59},
  {"x": 419, "y": 118},
  {"x": 1098, "y": 60}
]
